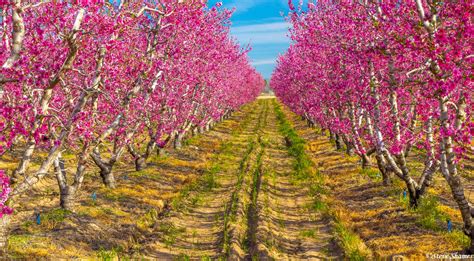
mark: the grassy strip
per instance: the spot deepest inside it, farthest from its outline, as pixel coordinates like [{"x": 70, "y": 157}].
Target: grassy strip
[
  {"x": 295, "y": 144},
  {"x": 350, "y": 242}
]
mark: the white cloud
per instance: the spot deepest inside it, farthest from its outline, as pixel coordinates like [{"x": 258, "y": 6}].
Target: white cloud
[
  {"x": 264, "y": 33},
  {"x": 263, "y": 62},
  {"x": 255, "y": 28}
]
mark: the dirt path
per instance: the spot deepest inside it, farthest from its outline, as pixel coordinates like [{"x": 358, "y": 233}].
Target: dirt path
[
  {"x": 248, "y": 205},
  {"x": 287, "y": 226},
  {"x": 196, "y": 226}
]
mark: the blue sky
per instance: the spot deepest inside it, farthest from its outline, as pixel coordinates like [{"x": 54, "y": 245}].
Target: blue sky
[{"x": 260, "y": 23}]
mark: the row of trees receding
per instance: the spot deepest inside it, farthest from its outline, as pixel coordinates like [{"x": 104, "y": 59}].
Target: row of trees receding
[
  {"x": 385, "y": 77},
  {"x": 99, "y": 79}
]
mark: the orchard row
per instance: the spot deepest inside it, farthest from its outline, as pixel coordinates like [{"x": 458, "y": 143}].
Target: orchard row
[
  {"x": 99, "y": 80},
  {"x": 385, "y": 77}
]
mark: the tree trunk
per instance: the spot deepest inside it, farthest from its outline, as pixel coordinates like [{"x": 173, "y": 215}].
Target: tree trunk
[
  {"x": 323, "y": 132},
  {"x": 365, "y": 161},
  {"x": 383, "y": 168},
  {"x": 178, "y": 141},
  {"x": 467, "y": 211},
  {"x": 349, "y": 147},
  {"x": 449, "y": 165},
  {"x": 140, "y": 163},
  {"x": 25, "y": 160},
  {"x": 471, "y": 249},
  {"x": 338, "y": 141},
  {"x": 67, "y": 197},
  {"x": 4, "y": 231},
  {"x": 413, "y": 194},
  {"x": 332, "y": 137},
  {"x": 161, "y": 152},
  {"x": 106, "y": 167},
  {"x": 108, "y": 177}
]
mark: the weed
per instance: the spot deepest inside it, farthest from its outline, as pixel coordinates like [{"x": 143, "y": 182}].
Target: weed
[
  {"x": 147, "y": 173},
  {"x": 350, "y": 242},
  {"x": 196, "y": 200},
  {"x": 170, "y": 233},
  {"x": 113, "y": 195},
  {"x": 148, "y": 220},
  {"x": 209, "y": 181},
  {"x": 372, "y": 173},
  {"x": 183, "y": 257},
  {"x": 26, "y": 246},
  {"x": 429, "y": 215},
  {"x": 27, "y": 224},
  {"x": 317, "y": 188},
  {"x": 458, "y": 238},
  {"x": 53, "y": 218},
  {"x": 308, "y": 233},
  {"x": 191, "y": 141},
  {"x": 318, "y": 205},
  {"x": 295, "y": 144},
  {"x": 19, "y": 240},
  {"x": 108, "y": 255},
  {"x": 231, "y": 210}
]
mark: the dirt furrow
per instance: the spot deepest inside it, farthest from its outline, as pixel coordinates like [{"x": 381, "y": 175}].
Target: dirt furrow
[
  {"x": 286, "y": 228},
  {"x": 198, "y": 226}
]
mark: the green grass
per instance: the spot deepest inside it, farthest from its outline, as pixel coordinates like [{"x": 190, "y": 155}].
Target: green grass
[
  {"x": 458, "y": 238},
  {"x": 110, "y": 194},
  {"x": 350, "y": 242},
  {"x": 318, "y": 205},
  {"x": 56, "y": 215},
  {"x": 148, "y": 220},
  {"x": 170, "y": 233},
  {"x": 373, "y": 173},
  {"x": 309, "y": 233},
  {"x": 427, "y": 214},
  {"x": 109, "y": 255},
  {"x": 53, "y": 218},
  {"x": 148, "y": 173},
  {"x": 209, "y": 181},
  {"x": 296, "y": 147},
  {"x": 204, "y": 183},
  {"x": 19, "y": 240}
]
